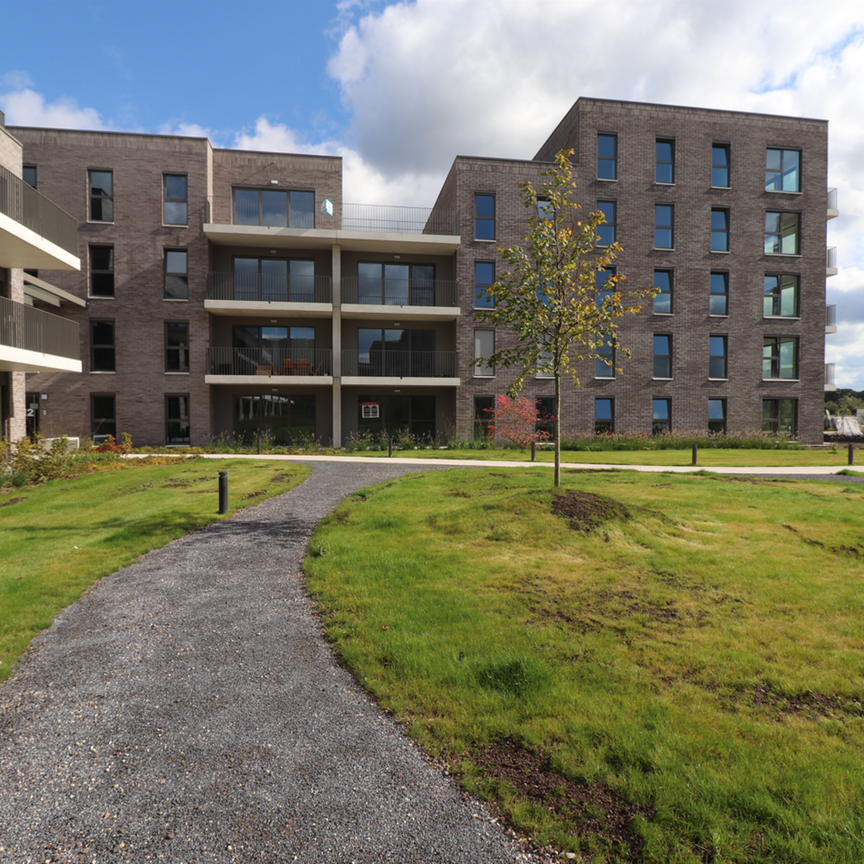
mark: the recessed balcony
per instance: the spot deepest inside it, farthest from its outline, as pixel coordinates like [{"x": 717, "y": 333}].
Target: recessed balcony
[
  {"x": 294, "y": 366},
  {"x": 831, "y": 261},
  {"x": 35, "y": 341},
  {"x": 419, "y": 300},
  {"x": 252, "y": 294},
  {"x": 423, "y": 368},
  {"x": 830, "y": 386},
  {"x": 833, "y": 209},
  {"x": 831, "y": 319}
]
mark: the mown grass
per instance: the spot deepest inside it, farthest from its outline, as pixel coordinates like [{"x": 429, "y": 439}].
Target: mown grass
[
  {"x": 58, "y": 538},
  {"x": 699, "y": 662}
]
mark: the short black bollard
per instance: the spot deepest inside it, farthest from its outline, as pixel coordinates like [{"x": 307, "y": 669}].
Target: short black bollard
[
  {"x": 851, "y": 454},
  {"x": 533, "y": 451},
  {"x": 223, "y": 491},
  {"x": 389, "y": 446},
  {"x": 695, "y": 454}
]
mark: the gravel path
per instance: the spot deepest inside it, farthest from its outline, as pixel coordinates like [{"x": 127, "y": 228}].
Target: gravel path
[{"x": 187, "y": 709}]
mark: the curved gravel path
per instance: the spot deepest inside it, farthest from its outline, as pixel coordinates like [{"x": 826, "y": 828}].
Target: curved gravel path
[{"x": 187, "y": 709}]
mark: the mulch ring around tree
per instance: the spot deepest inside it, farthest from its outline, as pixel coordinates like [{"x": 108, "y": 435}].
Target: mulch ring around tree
[
  {"x": 591, "y": 810},
  {"x": 586, "y": 511}
]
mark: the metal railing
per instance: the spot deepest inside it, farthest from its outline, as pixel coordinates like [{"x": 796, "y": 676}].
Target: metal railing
[
  {"x": 32, "y": 329},
  {"x": 21, "y": 202},
  {"x": 831, "y": 257},
  {"x": 399, "y": 220},
  {"x": 399, "y": 292},
  {"x": 832, "y": 199},
  {"x": 269, "y": 288},
  {"x": 401, "y": 364},
  {"x": 829, "y": 374},
  {"x": 269, "y": 362},
  {"x": 831, "y": 316}
]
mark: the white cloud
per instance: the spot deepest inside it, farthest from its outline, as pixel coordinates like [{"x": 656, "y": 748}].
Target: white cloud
[
  {"x": 188, "y": 130},
  {"x": 25, "y": 107}
]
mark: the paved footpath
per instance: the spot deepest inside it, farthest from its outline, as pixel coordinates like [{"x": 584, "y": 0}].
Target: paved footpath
[{"x": 187, "y": 709}]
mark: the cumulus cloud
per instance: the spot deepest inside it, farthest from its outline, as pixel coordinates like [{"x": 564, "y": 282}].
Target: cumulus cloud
[
  {"x": 188, "y": 130},
  {"x": 25, "y": 107}
]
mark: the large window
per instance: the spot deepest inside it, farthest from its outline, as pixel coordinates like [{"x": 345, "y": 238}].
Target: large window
[
  {"x": 103, "y": 418},
  {"x": 484, "y": 346},
  {"x": 176, "y": 275},
  {"x": 663, "y": 287},
  {"x": 484, "y": 276},
  {"x": 274, "y": 280},
  {"x": 604, "y": 362},
  {"x": 663, "y": 219},
  {"x": 483, "y": 408},
  {"x": 780, "y": 357},
  {"x": 606, "y": 231},
  {"x": 398, "y": 353},
  {"x": 718, "y": 303},
  {"x": 603, "y": 286},
  {"x": 717, "y": 416},
  {"x": 484, "y": 216},
  {"x": 783, "y": 170},
  {"x": 274, "y": 208},
  {"x": 177, "y": 419},
  {"x": 396, "y": 414},
  {"x": 102, "y": 353},
  {"x": 662, "y": 355},
  {"x": 664, "y": 161},
  {"x": 176, "y": 346},
  {"x": 780, "y": 416},
  {"x": 287, "y": 350},
  {"x": 279, "y": 419},
  {"x": 720, "y": 165},
  {"x": 101, "y": 271},
  {"x": 545, "y": 415},
  {"x": 780, "y": 297},
  {"x": 717, "y": 357},
  {"x": 607, "y": 157},
  {"x": 175, "y": 203},
  {"x": 719, "y": 230},
  {"x": 782, "y": 232},
  {"x": 661, "y": 416},
  {"x": 101, "y": 196},
  {"x": 604, "y": 416},
  {"x": 396, "y": 284}
]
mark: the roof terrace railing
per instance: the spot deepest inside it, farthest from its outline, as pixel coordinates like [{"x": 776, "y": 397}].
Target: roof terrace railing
[
  {"x": 385, "y": 218},
  {"x": 30, "y": 329}
]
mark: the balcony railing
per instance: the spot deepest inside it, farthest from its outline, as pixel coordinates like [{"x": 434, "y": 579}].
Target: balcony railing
[
  {"x": 829, "y": 375},
  {"x": 832, "y": 199},
  {"x": 831, "y": 258},
  {"x": 34, "y": 330},
  {"x": 270, "y": 362},
  {"x": 831, "y": 316},
  {"x": 400, "y": 364},
  {"x": 21, "y": 202},
  {"x": 399, "y": 292},
  {"x": 399, "y": 220},
  {"x": 269, "y": 288}
]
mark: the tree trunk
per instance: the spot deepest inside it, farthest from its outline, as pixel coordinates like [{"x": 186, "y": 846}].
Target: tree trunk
[{"x": 557, "y": 481}]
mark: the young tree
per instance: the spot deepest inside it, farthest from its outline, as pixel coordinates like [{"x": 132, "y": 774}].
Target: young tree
[
  {"x": 559, "y": 296},
  {"x": 516, "y": 420}
]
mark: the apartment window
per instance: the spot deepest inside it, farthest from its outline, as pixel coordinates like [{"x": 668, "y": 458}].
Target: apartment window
[
  {"x": 717, "y": 357},
  {"x": 28, "y": 175},
  {"x": 102, "y": 346},
  {"x": 780, "y": 357},
  {"x": 663, "y": 287},
  {"x": 175, "y": 205},
  {"x": 484, "y": 276},
  {"x": 782, "y": 232},
  {"x": 719, "y": 230},
  {"x": 176, "y": 346},
  {"x": 783, "y": 170},
  {"x": 663, "y": 216},
  {"x": 780, "y": 299},
  {"x": 545, "y": 414},
  {"x": 101, "y": 271},
  {"x": 664, "y": 163},
  {"x": 780, "y": 416},
  {"x": 101, "y": 196},
  {"x": 274, "y": 208},
  {"x": 717, "y": 416},
  {"x": 604, "y": 416},
  {"x": 483, "y": 408},
  {"x": 662, "y": 355},
  {"x": 176, "y": 275},
  {"x": 276, "y": 280},
  {"x": 484, "y": 216},
  {"x": 720, "y": 165},
  {"x": 177, "y": 419},
  {"x": 607, "y": 157},
  {"x": 545, "y": 209},
  {"x": 103, "y": 419},
  {"x": 602, "y": 285},
  {"x": 718, "y": 303},
  {"x": 604, "y": 362},
  {"x": 484, "y": 347},
  {"x": 661, "y": 416},
  {"x": 606, "y": 231}
]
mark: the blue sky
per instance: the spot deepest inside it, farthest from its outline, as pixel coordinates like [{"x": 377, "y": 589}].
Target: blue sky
[{"x": 398, "y": 89}]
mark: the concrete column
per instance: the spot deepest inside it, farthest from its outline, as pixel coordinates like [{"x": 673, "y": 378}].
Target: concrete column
[{"x": 337, "y": 345}]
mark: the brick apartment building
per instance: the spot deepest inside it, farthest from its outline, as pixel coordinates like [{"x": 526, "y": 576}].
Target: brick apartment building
[{"x": 229, "y": 290}]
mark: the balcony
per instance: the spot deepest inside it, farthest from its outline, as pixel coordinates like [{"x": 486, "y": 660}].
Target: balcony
[
  {"x": 830, "y": 319},
  {"x": 833, "y": 210},
  {"x": 420, "y": 300},
  {"x": 429, "y": 368},
  {"x": 265, "y": 293},
  {"x": 830, "y": 386},
  {"x": 34, "y": 232},
  {"x": 294, "y": 366},
  {"x": 831, "y": 261},
  {"x": 35, "y": 341}
]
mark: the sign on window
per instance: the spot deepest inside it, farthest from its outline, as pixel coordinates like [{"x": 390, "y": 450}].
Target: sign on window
[{"x": 369, "y": 410}]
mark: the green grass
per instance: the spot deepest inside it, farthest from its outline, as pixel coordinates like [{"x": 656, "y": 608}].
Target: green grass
[
  {"x": 692, "y": 673},
  {"x": 60, "y": 537}
]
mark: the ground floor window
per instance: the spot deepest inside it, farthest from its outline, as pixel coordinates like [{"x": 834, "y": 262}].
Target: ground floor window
[
  {"x": 32, "y": 414},
  {"x": 546, "y": 415},
  {"x": 282, "y": 420},
  {"x": 176, "y": 419},
  {"x": 483, "y": 406},
  {"x": 103, "y": 418},
  {"x": 604, "y": 416},
  {"x": 779, "y": 416},
  {"x": 661, "y": 416},
  {"x": 717, "y": 416},
  {"x": 392, "y": 415}
]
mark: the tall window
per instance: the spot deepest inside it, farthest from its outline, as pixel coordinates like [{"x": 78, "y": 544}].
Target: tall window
[
  {"x": 176, "y": 346},
  {"x": 664, "y": 164},
  {"x": 718, "y": 303},
  {"x": 101, "y": 196},
  {"x": 101, "y": 271},
  {"x": 782, "y": 232},
  {"x": 103, "y": 418},
  {"x": 719, "y": 230},
  {"x": 663, "y": 216},
  {"x": 484, "y": 216},
  {"x": 606, "y": 231},
  {"x": 720, "y": 165},
  {"x": 717, "y": 357},
  {"x": 780, "y": 357},
  {"x": 396, "y": 284},
  {"x": 661, "y": 416},
  {"x": 663, "y": 287},
  {"x": 604, "y": 416},
  {"x": 717, "y": 416},
  {"x": 484, "y": 276},
  {"x": 274, "y": 208},
  {"x": 176, "y": 275},
  {"x": 175, "y": 204},
  {"x": 604, "y": 363},
  {"x": 102, "y": 356},
  {"x": 275, "y": 280},
  {"x": 483, "y": 408},
  {"x": 545, "y": 209},
  {"x": 28, "y": 175},
  {"x": 780, "y": 297},
  {"x": 607, "y": 157},
  {"x": 545, "y": 414},
  {"x": 177, "y": 419},
  {"x": 783, "y": 170},
  {"x": 484, "y": 346},
  {"x": 780, "y": 416},
  {"x": 662, "y": 355},
  {"x": 602, "y": 285}
]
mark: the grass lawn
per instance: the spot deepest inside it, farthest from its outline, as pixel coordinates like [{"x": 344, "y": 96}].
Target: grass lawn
[
  {"x": 667, "y": 670},
  {"x": 59, "y": 538}
]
